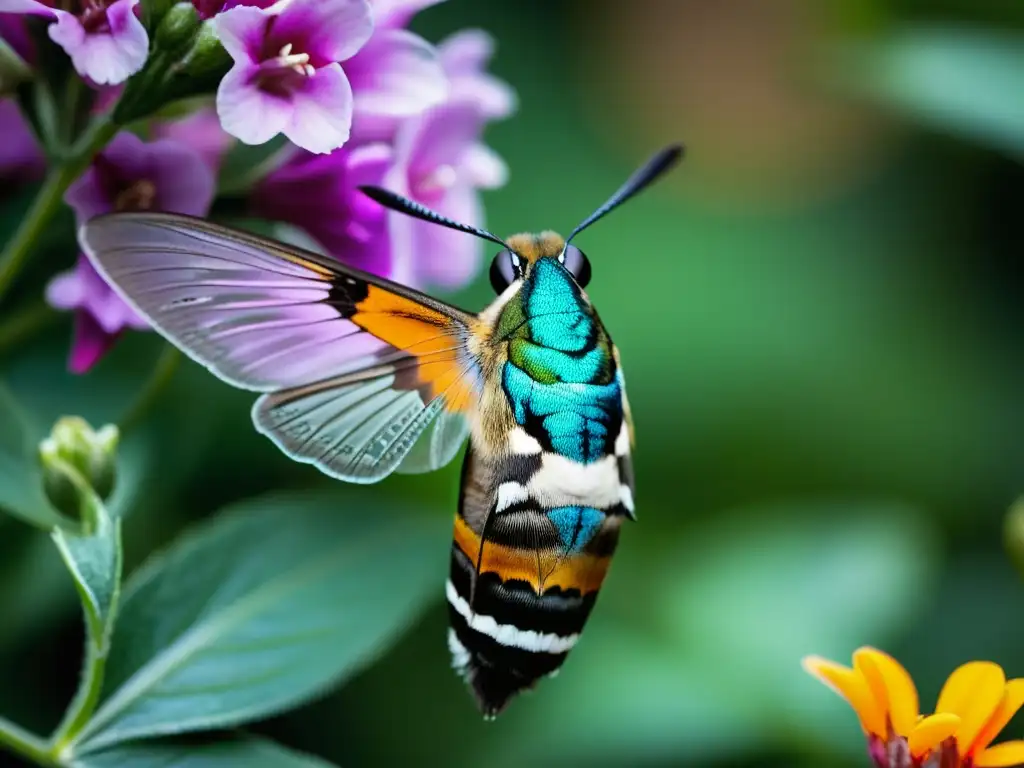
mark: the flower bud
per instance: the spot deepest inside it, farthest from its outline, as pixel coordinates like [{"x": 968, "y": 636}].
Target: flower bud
[
  {"x": 177, "y": 28},
  {"x": 75, "y": 457},
  {"x": 188, "y": 60}
]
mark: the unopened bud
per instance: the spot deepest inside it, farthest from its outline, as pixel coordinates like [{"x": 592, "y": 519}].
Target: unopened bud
[
  {"x": 177, "y": 28},
  {"x": 75, "y": 455}
]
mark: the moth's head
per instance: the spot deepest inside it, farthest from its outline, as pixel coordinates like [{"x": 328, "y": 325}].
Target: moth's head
[
  {"x": 521, "y": 253},
  {"x": 524, "y": 251}
]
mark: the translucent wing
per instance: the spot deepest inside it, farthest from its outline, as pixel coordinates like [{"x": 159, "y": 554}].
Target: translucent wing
[
  {"x": 438, "y": 445},
  {"x": 353, "y": 369}
]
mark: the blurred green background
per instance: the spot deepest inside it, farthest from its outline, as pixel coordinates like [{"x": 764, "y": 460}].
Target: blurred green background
[{"x": 820, "y": 318}]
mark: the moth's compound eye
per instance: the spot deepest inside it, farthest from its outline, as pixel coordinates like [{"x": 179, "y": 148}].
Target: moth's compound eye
[
  {"x": 577, "y": 263},
  {"x": 505, "y": 270}
]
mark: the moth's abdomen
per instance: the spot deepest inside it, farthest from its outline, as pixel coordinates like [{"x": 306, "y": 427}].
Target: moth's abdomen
[{"x": 539, "y": 576}]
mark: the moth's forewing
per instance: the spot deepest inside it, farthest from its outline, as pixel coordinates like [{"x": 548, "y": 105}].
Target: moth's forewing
[{"x": 354, "y": 369}]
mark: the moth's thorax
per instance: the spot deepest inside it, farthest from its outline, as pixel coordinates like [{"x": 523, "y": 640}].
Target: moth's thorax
[{"x": 553, "y": 376}]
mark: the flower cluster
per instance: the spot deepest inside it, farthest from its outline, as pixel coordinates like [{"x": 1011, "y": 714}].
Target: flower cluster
[
  {"x": 975, "y": 704},
  {"x": 355, "y": 97}
]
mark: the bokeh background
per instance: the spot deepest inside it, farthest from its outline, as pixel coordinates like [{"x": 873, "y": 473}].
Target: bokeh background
[{"x": 820, "y": 317}]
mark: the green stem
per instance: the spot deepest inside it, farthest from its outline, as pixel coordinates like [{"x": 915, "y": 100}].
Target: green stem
[
  {"x": 19, "y": 741},
  {"x": 25, "y": 324},
  {"x": 85, "y": 701},
  {"x": 163, "y": 372},
  {"x": 48, "y": 201}
]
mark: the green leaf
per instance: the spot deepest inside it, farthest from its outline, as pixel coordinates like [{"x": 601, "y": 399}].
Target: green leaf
[
  {"x": 958, "y": 79},
  {"x": 236, "y": 753},
  {"x": 262, "y": 608},
  {"x": 94, "y": 561}
]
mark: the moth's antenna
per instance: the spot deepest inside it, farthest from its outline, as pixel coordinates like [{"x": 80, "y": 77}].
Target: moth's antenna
[
  {"x": 652, "y": 169},
  {"x": 404, "y": 205}
]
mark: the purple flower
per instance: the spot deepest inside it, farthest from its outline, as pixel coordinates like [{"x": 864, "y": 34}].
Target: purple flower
[
  {"x": 15, "y": 34},
  {"x": 465, "y": 56},
  {"x": 320, "y": 194},
  {"x": 286, "y": 77},
  {"x": 104, "y": 39},
  {"x": 128, "y": 175},
  {"x": 207, "y": 9},
  {"x": 20, "y": 156},
  {"x": 396, "y": 75},
  {"x": 441, "y": 162},
  {"x": 392, "y": 14},
  {"x": 200, "y": 130}
]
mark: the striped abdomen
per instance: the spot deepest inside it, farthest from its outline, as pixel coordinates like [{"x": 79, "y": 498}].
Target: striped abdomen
[{"x": 540, "y": 568}]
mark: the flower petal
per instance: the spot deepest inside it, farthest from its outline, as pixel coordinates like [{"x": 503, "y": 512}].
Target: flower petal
[
  {"x": 892, "y": 687},
  {"x": 107, "y": 58},
  {"x": 1003, "y": 755},
  {"x": 27, "y": 6},
  {"x": 484, "y": 167},
  {"x": 852, "y": 686},
  {"x": 87, "y": 197},
  {"x": 241, "y": 31},
  {"x": 973, "y": 692},
  {"x": 246, "y": 112},
  {"x": 930, "y": 732},
  {"x": 65, "y": 290},
  {"x": 331, "y": 30},
  {"x": 184, "y": 182},
  {"x": 444, "y": 257},
  {"x": 396, "y": 74},
  {"x": 464, "y": 57},
  {"x": 321, "y": 117},
  {"x": 397, "y": 13},
  {"x": 202, "y": 132},
  {"x": 441, "y": 137},
  {"x": 89, "y": 343},
  {"x": 1013, "y": 699}
]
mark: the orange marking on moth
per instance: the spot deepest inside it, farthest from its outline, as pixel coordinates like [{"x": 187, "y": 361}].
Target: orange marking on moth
[
  {"x": 312, "y": 266},
  {"x": 420, "y": 331},
  {"x": 581, "y": 572}
]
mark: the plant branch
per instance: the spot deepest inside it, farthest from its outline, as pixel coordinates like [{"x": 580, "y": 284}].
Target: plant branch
[
  {"x": 48, "y": 201},
  {"x": 163, "y": 372},
  {"x": 19, "y": 741}
]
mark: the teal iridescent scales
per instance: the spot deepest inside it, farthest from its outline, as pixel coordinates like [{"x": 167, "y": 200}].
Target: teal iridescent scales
[{"x": 560, "y": 375}]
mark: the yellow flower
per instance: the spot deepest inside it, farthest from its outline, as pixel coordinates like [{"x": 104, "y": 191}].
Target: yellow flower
[{"x": 976, "y": 703}]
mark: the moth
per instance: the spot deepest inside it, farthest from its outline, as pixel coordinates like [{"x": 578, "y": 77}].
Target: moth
[{"x": 363, "y": 377}]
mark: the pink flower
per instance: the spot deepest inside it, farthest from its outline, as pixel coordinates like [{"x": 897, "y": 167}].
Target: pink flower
[
  {"x": 128, "y": 175},
  {"x": 396, "y": 75},
  {"x": 287, "y": 77},
  {"x": 320, "y": 194},
  {"x": 105, "y": 40},
  {"x": 15, "y": 34},
  {"x": 441, "y": 162},
  {"x": 465, "y": 56},
  {"x": 207, "y": 9},
  {"x": 20, "y": 156},
  {"x": 200, "y": 130}
]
